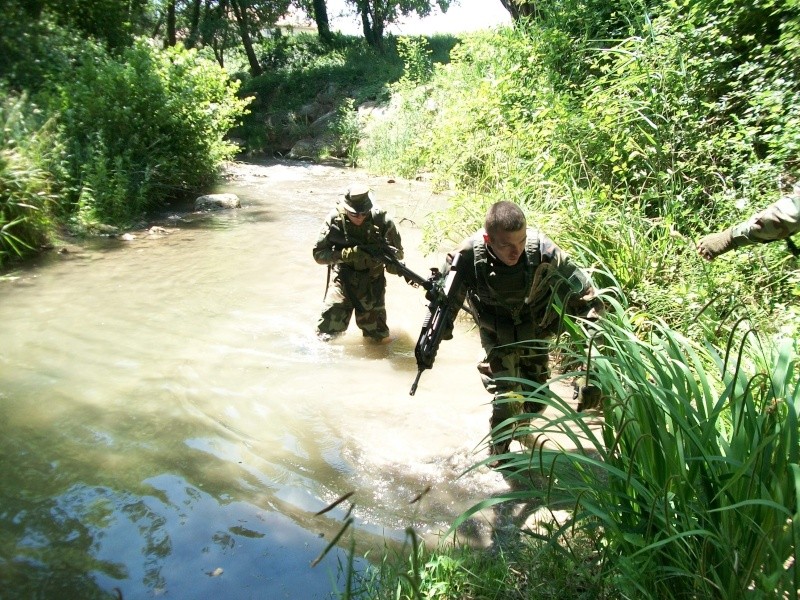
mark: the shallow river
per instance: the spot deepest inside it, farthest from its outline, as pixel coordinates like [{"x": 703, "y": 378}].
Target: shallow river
[{"x": 171, "y": 425}]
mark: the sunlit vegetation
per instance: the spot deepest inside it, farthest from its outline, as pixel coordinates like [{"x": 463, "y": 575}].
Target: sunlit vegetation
[
  {"x": 624, "y": 150},
  {"x": 625, "y": 129},
  {"x": 102, "y": 136}
]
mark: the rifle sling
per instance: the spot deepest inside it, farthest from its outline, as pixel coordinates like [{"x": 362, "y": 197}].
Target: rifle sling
[
  {"x": 790, "y": 244},
  {"x": 327, "y": 283}
]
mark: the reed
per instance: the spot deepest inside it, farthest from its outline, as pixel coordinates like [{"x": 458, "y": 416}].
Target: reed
[{"x": 692, "y": 489}]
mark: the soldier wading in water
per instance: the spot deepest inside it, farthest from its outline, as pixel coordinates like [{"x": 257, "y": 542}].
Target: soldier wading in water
[
  {"x": 347, "y": 243},
  {"x": 513, "y": 279}
]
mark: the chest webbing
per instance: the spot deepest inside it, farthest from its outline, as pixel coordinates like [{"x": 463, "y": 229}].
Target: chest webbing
[{"x": 487, "y": 295}]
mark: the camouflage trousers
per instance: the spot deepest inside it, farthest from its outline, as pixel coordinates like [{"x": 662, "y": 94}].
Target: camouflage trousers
[
  {"x": 355, "y": 292},
  {"x": 529, "y": 361}
]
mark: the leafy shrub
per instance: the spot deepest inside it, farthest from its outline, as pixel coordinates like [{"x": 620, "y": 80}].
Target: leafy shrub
[
  {"x": 35, "y": 53},
  {"x": 146, "y": 128},
  {"x": 26, "y": 198},
  {"x": 347, "y": 129},
  {"x": 693, "y": 485},
  {"x": 416, "y": 55}
]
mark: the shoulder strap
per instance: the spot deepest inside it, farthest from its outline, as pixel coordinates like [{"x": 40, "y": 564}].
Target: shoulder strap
[
  {"x": 532, "y": 253},
  {"x": 481, "y": 259}
]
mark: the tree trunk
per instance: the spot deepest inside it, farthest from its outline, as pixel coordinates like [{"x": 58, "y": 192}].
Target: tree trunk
[
  {"x": 321, "y": 17},
  {"x": 372, "y": 23},
  {"x": 378, "y": 24},
  {"x": 244, "y": 33},
  {"x": 363, "y": 8},
  {"x": 519, "y": 8},
  {"x": 171, "y": 36},
  {"x": 194, "y": 24}
]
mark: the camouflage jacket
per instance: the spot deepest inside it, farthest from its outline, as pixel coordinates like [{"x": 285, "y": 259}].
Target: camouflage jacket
[
  {"x": 338, "y": 232},
  {"x": 776, "y": 222},
  {"x": 512, "y": 304}
]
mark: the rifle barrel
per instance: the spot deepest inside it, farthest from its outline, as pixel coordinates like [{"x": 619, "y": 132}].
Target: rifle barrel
[{"x": 416, "y": 381}]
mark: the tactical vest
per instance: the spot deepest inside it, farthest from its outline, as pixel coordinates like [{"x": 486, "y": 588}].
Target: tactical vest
[
  {"x": 341, "y": 235},
  {"x": 485, "y": 296}
]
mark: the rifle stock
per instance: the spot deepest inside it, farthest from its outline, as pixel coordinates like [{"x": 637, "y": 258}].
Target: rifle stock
[{"x": 442, "y": 310}]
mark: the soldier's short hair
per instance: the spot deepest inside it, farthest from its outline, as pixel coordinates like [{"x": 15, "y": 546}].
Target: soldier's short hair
[{"x": 504, "y": 216}]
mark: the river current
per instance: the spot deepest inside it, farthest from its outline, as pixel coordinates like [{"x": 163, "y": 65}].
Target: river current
[{"x": 171, "y": 426}]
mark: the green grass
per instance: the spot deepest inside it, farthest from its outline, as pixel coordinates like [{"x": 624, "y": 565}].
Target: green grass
[{"x": 26, "y": 198}]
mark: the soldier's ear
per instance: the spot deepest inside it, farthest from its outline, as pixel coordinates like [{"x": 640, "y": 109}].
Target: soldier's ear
[{"x": 486, "y": 239}]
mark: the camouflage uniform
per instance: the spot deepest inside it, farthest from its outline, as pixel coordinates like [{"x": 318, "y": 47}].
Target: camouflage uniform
[
  {"x": 513, "y": 307},
  {"x": 778, "y": 221},
  {"x": 359, "y": 286}
]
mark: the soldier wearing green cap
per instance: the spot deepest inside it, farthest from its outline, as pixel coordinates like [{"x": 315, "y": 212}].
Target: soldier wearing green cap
[
  {"x": 776, "y": 222},
  {"x": 354, "y": 227}
]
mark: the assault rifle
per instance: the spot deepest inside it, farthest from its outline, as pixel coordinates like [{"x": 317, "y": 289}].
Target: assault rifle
[
  {"x": 442, "y": 310},
  {"x": 388, "y": 255}
]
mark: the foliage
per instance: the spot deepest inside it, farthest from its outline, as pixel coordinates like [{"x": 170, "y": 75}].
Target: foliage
[
  {"x": 446, "y": 573},
  {"x": 113, "y": 23},
  {"x": 698, "y": 463},
  {"x": 632, "y": 146},
  {"x": 301, "y": 70},
  {"x": 145, "y": 129},
  {"x": 377, "y": 14},
  {"x": 26, "y": 198},
  {"x": 34, "y": 53},
  {"x": 347, "y": 129},
  {"x": 416, "y": 56}
]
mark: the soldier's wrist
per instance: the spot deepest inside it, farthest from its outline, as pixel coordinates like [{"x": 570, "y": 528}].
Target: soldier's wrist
[{"x": 738, "y": 238}]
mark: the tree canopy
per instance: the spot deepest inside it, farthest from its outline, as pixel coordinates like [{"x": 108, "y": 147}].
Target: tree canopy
[{"x": 377, "y": 14}]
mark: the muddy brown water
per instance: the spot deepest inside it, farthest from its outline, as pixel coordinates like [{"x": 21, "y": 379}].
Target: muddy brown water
[{"x": 171, "y": 425}]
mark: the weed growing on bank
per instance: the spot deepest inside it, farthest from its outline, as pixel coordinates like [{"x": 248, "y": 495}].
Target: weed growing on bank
[{"x": 27, "y": 199}]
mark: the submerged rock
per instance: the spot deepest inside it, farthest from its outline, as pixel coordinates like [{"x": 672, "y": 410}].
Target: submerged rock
[{"x": 217, "y": 202}]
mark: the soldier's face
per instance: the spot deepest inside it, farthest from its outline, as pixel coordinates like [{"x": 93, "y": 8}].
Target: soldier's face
[
  {"x": 356, "y": 218},
  {"x": 508, "y": 246}
]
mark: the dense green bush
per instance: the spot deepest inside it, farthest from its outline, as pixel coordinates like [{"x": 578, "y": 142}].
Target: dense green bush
[
  {"x": 35, "y": 53},
  {"x": 144, "y": 128}
]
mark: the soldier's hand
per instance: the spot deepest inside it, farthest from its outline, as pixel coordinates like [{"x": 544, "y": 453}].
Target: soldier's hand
[
  {"x": 356, "y": 257},
  {"x": 352, "y": 254},
  {"x": 711, "y": 246}
]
